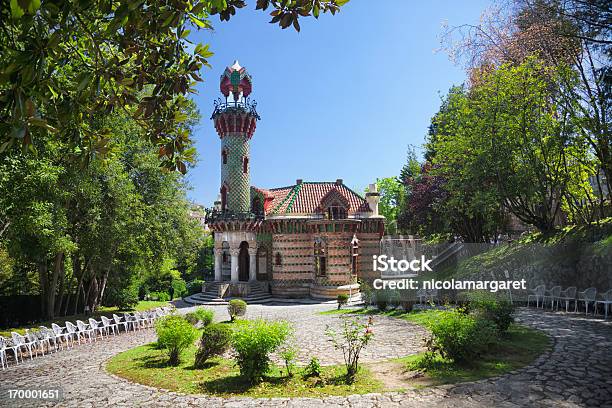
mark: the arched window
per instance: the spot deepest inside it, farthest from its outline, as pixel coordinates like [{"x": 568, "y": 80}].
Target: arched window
[
  {"x": 320, "y": 260},
  {"x": 245, "y": 165},
  {"x": 223, "y": 198},
  {"x": 277, "y": 259},
  {"x": 224, "y": 156}
]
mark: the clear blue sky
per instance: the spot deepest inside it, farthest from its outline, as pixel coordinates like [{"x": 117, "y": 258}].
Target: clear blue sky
[{"x": 341, "y": 99}]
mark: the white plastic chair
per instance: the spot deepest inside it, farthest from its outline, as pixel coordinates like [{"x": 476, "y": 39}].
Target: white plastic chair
[
  {"x": 421, "y": 294},
  {"x": 108, "y": 325},
  {"x": 587, "y": 296},
  {"x": 61, "y": 336},
  {"x": 118, "y": 321},
  {"x": 49, "y": 337},
  {"x": 568, "y": 295},
  {"x": 3, "y": 353},
  {"x": 131, "y": 321},
  {"x": 20, "y": 342},
  {"x": 73, "y": 331},
  {"x": 537, "y": 294},
  {"x": 141, "y": 320},
  {"x": 86, "y": 330},
  {"x": 96, "y": 327},
  {"x": 606, "y": 299},
  {"x": 553, "y": 295},
  {"x": 35, "y": 342}
]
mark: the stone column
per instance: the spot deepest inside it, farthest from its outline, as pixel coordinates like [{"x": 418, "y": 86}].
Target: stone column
[
  {"x": 252, "y": 264},
  {"x": 234, "y": 252},
  {"x": 218, "y": 264}
]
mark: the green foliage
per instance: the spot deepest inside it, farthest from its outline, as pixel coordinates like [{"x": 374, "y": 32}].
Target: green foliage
[
  {"x": 160, "y": 296},
  {"x": 391, "y": 198},
  {"x": 289, "y": 353},
  {"x": 382, "y": 300},
  {"x": 461, "y": 337},
  {"x": 253, "y": 343},
  {"x": 195, "y": 286},
  {"x": 205, "y": 316},
  {"x": 489, "y": 306},
  {"x": 351, "y": 340},
  {"x": 313, "y": 369},
  {"x": 215, "y": 341},
  {"x": 125, "y": 298},
  {"x": 342, "y": 300},
  {"x": 236, "y": 307},
  {"x": 174, "y": 334}
]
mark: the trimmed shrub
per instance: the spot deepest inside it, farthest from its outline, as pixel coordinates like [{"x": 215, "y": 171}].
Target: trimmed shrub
[
  {"x": 192, "y": 318},
  {"x": 236, "y": 307},
  {"x": 160, "y": 296},
  {"x": 488, "y": 306},
  {"x": 205, "y": 316},
  {"x": 381, "y": 300},
  {"x": 342, "y": 300},
  {"x": 253, "y": 343},
  {"x": 195, "y": 286},
  {"x": 175, "y": 334},
  {"x": 461, "y": 337},
  {"x": 214, "y": 342}
]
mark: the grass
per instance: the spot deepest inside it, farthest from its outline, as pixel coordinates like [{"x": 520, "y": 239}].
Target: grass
[
  {"x": 102, "y": 311},
  {"x": 516, "y": 349},
  {"x": 147, "y": 365}
]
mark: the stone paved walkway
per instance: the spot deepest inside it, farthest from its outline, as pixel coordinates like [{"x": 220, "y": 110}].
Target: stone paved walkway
[{"x": 576, "y": 373}]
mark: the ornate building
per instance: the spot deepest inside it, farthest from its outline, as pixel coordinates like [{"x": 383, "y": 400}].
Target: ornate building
[{"x": 309, "y": 239}]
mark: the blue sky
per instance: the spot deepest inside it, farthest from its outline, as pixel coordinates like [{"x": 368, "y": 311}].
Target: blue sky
[{"x": 341, "y": 99}]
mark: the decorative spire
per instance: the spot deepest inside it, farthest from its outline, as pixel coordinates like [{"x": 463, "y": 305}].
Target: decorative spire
[{"x": 237, "y": 81}]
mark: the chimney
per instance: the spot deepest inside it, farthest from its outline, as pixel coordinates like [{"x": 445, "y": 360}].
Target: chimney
[
  {"x": 373, "y": 197},
  {"x": 339, "y": 182},
  {"x": 299, "y": 181}
]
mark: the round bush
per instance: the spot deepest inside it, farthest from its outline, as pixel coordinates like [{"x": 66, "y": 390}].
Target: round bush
[
  {"x": 461, "y": 337},
  {"x": 488, "y": 306},
  {"x": 205, "y": 316},
  {"x": 175, "y": 334},
  {"x": 236, "y": 307},
  {"x": 214, "y": 342},
  {"x": 253, "y": 342},
  {"x": 342, "y": 300}
]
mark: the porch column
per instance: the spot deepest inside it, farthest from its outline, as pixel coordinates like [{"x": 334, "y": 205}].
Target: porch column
[
  {"x": 218, "y": 262},
  {"x": 234, "y": 265},
  {"x": 252, "y": 264}
]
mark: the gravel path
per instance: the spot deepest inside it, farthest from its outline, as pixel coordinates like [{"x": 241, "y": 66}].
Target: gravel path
[{"x": 576, "y": 373}]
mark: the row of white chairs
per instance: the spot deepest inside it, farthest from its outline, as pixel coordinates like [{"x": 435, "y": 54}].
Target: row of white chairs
[
  {"x": 555, "y": 295},
  {"x": 58, "y": 337}
]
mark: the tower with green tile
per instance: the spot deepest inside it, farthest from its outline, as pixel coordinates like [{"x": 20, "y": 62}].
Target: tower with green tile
[{"x": 235, "y": 120}]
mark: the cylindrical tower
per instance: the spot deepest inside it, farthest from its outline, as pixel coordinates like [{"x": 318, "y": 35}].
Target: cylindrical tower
[{"x": 235, "y": 122}]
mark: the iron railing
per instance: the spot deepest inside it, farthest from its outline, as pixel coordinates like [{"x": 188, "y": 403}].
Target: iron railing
[
  {"x": 243, "y": 106},
  {"x": 214, "y": 215}
]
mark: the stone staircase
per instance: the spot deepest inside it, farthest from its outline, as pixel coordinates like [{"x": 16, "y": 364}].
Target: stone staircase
[{"x": 258, "y": 294}]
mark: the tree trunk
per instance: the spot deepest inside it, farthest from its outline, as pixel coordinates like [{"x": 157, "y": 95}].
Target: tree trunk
[
  {"x": 43, "y": 278},
  {"x": 52, "y": 287},
  {"x": 60, "y": 295}
]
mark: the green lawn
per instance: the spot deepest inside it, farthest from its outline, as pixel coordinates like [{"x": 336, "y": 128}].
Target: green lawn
[
  {"x": 146, "y": 365},
  {"x": 102, "y": 311},
  {"x": 516, "y": 349}
]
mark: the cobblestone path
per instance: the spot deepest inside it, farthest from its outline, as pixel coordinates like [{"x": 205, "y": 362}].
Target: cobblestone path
[{"x": 577, "y": 372}]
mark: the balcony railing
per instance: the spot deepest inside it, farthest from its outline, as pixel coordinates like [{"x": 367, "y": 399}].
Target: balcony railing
[
  {"x": 243, "y": 106},
  {"x": 214, "y": 215}
]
